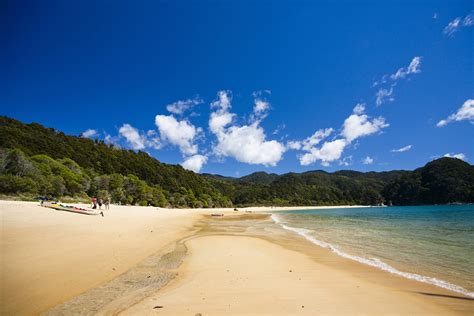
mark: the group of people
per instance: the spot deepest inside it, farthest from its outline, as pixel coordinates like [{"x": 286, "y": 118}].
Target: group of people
[{"x": 99, "y": 202}]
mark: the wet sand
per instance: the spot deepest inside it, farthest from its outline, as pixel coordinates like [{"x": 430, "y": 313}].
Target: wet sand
[{"x": 249, "y": 266}]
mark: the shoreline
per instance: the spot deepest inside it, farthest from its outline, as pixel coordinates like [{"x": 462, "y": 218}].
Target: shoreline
[
  {"x": 278, "y": 273},
  {"x": 377, "y": 263},
  {"x": 26, "y": 227}
]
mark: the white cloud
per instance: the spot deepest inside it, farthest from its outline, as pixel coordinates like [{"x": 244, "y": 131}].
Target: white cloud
[
  {"x": 316, "y": 138},
  {"x": 219, "y": 120},
  {"x": 223, "y": 101},
  {"x": 452, "y": 26},
  {"x": 279, "y": 129},
  {"x": 308, "y": 143},
  {"x": 347, "y": 161},
  {"x": 413, "y": 68},
  {"x": 464, "y": 113},
  {"x": 154, "y": 142},
  {"x": 89, "y": 133},
  {"x": 136, "y": 139},
  {"x": 468, "y": 20},
  {"x": 458, "y": 156},
  {"x": 401, "y": 150},
  {"x": 221, "y": 117},
  {"x": 359, "y": 108},
  {"x": 457, "y": 23},
  {"x": 368, "y": 160},
  {"x": 294, "y": 144},
  {"x": 356, "y": 126},
  {"x": 384, "y": 94},
  {"x": 327, "y": 153},
  {"x": 194, "y": 163},
  {"x": 179, "y": 107},
  {"x": 260, "y": 106},
  {"x": 178, "y": 133},
  {"x": 246, "y": 143},
  {"x": 133, "y": 137}
]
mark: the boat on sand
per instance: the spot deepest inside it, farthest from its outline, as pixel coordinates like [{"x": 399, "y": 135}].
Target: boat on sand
[{"x": 69, "y": 208}]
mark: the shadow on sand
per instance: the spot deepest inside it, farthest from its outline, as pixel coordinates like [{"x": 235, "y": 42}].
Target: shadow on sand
[{"x": 447, "y": 296}]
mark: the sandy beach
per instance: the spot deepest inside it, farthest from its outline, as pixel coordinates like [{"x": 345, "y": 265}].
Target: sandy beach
[{"x": 145, "y": 260}]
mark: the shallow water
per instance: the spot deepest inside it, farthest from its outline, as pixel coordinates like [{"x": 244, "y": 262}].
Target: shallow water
[{"x": 432, "y": 244}]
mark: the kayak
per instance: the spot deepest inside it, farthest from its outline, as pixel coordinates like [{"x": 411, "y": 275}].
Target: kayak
[{"x": 68, "y": 208}]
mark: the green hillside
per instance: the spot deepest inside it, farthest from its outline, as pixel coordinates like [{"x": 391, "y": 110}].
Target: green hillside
[{"x": 35, "y": 160}]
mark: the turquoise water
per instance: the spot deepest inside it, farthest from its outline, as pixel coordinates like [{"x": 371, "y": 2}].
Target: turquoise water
[{"x": 432, "y": 244}]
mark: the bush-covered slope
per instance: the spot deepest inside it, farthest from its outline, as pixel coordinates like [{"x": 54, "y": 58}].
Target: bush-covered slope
[{"x": 42, "y": 161}]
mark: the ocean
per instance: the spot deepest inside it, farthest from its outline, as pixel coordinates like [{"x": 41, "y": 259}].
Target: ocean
[{"x": 431, "y": 244}]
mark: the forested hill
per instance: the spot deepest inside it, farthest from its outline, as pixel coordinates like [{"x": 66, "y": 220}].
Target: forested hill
[{"x": 35, "y": 160}]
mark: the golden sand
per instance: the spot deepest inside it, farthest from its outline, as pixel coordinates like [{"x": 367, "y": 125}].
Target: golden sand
[{"x": 140, "y": 261}]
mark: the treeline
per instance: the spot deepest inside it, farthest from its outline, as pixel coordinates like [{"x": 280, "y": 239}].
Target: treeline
[
  {"x": 35, "y": 160},
  {"x": 44, "y": 176},
  {"x": 442, "y": 181}
]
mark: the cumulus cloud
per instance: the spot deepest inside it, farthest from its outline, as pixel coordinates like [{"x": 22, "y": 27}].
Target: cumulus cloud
[
  {"x": 384, "y": 95},
  {"x": 357, "y": 125},
  {"x": 310, "y": 142},
  {"x": 359, "y": 108},
  {"x": 179, "y": 107},
  {"x": 194, "y": 163},
  {"x": 368, "y": 160},
  {"x": 133, "y": 136},
  {"x": 89, "y": 133},
  {"x": 261, "y": 106},
  {"x": 328, "y": 152},
  {"x": 294, "y": 144},
  {"x": 313, "y": 140},
  {"x": 401, "y": 150},
  {"x": 135, "y": 139},
  {"x": 458, "y": 156},
  {"x": 464, "y": 113},
  {"x": 458, "y": 23},
  {"x": 223, "y": 101},
  {"x": 178, "y": 133},
  {"x": 246, "y": 143}
]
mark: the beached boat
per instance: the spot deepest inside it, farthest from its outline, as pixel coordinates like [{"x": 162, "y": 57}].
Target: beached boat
[{"x": 68, "y": 208}]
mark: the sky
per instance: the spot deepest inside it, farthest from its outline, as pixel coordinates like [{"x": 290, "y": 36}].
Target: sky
[{"x": 234, "y": 87}]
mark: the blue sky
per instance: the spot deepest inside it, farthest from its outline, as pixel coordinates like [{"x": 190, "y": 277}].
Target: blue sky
[{"x": 233, "y": 87}]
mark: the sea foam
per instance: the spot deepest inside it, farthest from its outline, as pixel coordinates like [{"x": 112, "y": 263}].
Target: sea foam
[{"x": 373, "y": 262}]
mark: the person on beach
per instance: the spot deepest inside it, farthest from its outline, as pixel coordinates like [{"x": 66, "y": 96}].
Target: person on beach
[
  {"x": 94, "y": 203},
  {"x": 100, "y": 204},
  {"x": 107, "y": 203}
]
